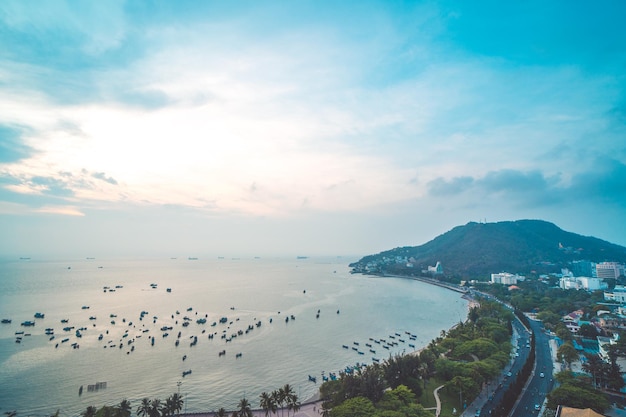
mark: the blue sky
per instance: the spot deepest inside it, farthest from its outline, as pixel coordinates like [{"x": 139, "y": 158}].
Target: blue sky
[{"x": 305, "y": 128}]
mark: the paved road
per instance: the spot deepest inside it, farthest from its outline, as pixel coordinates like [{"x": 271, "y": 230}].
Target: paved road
[
  {"x": 485, "y": 404},
  {"x": 532, "y": 399},
  {"x": 538, "y": 386}
]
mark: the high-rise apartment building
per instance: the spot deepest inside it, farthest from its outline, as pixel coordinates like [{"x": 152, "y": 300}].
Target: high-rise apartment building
[{"x": 610, "y": 270}]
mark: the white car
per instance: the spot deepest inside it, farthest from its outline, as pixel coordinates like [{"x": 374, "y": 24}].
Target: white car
[
  {"x": 537, "y": 407},
  {"x": 541, "y": 375}
]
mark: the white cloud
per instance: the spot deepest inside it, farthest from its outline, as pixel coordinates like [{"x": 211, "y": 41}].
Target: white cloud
[
  {"x": 62, "y": 210},
  {"x": 306, "y": 120}
]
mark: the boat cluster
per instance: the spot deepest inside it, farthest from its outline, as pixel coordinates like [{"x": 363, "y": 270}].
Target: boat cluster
[
  {"x": 120, "y": 334},
  {"x": 111, "y": 289},
  {"x": 19, "y": 335},
  {"x": 388, "y": 343}
]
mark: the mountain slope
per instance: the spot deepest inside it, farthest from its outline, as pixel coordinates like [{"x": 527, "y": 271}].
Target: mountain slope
[{"x": 476, "y": 250}]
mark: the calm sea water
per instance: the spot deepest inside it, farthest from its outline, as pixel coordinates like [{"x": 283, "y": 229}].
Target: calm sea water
[{"x": 39, "y": 376}]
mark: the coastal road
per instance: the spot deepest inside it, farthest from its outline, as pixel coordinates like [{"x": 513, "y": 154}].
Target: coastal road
[
  {"x": 486, "y": 404},
  {"x": 539, "y": 386},
  {"x": 533, "y": 396}
]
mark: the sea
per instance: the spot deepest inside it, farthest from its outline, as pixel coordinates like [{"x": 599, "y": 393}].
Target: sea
[{"x": 252, "y": 325}]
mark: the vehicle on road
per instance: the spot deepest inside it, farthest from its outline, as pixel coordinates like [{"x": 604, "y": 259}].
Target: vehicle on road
[{"x": 541, "y": 375}]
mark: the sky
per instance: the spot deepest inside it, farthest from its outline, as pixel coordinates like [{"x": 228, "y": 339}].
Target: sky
[{"x": 282, "y": 128}]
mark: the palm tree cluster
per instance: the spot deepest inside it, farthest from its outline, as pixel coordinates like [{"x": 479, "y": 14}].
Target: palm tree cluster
[
  {"x": 155, "y": 408},
  {"x": 148, "y": 408},
  {"x": 372, "y": 381},
  {"x": 121, "y": 410},
  {"x": 282, "y": 398}
]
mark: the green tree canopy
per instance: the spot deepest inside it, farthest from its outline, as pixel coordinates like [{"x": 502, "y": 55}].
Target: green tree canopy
[
  {"x": 567, "y": 353},
  {"x": 354, "y": 407}
]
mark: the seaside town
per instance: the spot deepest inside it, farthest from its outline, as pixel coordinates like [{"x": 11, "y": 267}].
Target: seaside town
[
  {"x": 312, "y": 208},
  {"x": 576, "y": 318},
  {"x": 543, "y": 345}
]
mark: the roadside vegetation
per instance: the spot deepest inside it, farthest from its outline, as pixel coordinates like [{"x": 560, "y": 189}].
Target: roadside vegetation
[
  {"x": 463, "y": 359},
  {"x": 550, "y": 304}
]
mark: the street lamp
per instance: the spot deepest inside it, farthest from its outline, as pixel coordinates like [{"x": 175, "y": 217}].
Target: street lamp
[{"x": 178, "y": 385}]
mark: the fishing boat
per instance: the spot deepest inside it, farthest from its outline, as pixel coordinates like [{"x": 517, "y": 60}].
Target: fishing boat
[{"x": 6, "y": 321}]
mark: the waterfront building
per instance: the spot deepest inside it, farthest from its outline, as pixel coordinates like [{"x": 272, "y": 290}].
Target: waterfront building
[
  {"x": 437, "y": 269},
  {"x": 506, "y": 278}
]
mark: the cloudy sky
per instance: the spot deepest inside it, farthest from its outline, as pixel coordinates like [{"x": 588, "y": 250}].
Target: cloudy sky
[{"x": 242, "y": 128}]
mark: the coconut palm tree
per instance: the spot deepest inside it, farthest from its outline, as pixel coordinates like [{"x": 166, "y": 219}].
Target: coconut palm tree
[
  {"x": 244, "y": 408},
  {"x": 89, "y": 412},
  {"x": 155, "y": 408},
  {"x": 167, "y": 409},
  {"x": 177, "y": 403},
  {"x": 325, "y": 409},
  {"x": 279, "y": 398},
  {"x": 123, "y": 410},
  {"x": 288, "y": 393},
  {"x": 267, "y": 403},
  {"x": 221, "y": 412},
  {"x": 144, "y": 408},
  {"x": 293, "y": 403}
]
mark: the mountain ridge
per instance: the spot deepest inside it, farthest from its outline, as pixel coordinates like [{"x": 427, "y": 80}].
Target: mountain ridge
[{"x": 475, "y": 250}]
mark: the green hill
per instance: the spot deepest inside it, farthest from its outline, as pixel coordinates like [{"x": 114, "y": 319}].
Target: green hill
[{"x": 476, "y": 250}]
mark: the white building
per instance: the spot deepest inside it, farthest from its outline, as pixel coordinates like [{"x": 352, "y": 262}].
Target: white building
[
  {"x": 603, "y": 342},
  {"x": 618, "y": 294},
  {"x": 437, "y": 269},
  {"x": 610, "y": 270},
  {"x": 506, "y": 278},
  {"x": 582, "y": 283},
  {"x": 593, "y": 284},
  {"x": 570, "y": 283}
]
